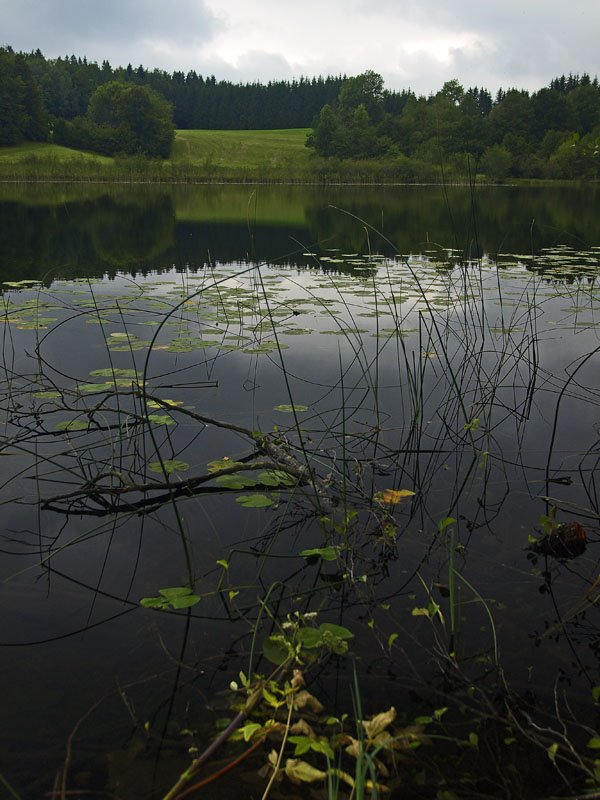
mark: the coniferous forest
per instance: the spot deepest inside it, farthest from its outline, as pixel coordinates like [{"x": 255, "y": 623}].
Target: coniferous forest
[{"x": 550, "y": 133}]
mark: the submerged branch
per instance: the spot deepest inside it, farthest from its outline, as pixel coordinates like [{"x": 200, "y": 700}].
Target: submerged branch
[
  {"x": 110, "y": 497},
  {"x": 92, "y": 490}
]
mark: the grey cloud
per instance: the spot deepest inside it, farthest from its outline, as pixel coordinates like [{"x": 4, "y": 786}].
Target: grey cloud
[
  {"x": 67, "y": 26},
  {"x": 251, "y": 66},
  {"x": 263, "y": 66},
  {"x": 525, "y": 44}
]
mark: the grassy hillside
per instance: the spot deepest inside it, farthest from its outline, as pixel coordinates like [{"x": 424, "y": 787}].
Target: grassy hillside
[
  {"x": 21, "y": 153},
  {"x": 207, "y": 156},
  {"x": 276, "y": 155},
  {"x": 243, "y": 149}
]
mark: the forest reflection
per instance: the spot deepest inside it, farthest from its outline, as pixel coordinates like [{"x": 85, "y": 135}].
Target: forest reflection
[{"x": 53, "y": 231}]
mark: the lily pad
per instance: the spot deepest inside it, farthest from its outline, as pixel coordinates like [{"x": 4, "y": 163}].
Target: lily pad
[
  {"x": 177, "y": 597},
  {"x": 109, "y": 372},
  {"x": 235, "y": 481},
  {"x": 254, "y": 500},
  {"x": 168, "y": 466},
  {"x": 161, "y": 419},
  {"x": 72, "y": 425}
]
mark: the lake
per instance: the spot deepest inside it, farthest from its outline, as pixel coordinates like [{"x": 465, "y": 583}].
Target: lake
[{"x": 358, "y": 423}]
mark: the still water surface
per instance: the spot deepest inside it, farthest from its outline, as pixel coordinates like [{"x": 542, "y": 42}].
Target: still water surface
[{"x": 408, "y": 338}]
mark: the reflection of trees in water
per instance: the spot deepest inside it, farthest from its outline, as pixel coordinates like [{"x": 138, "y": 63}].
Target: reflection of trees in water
[
  {"x": 88, "y": 238},
  {"x": 24, "y": 241},
  {"x": 515, "y": 219},
  {"x": 200, "y": 243},
  {"x": 130, "y": 236},
  {"x": 136, "y": 229}
]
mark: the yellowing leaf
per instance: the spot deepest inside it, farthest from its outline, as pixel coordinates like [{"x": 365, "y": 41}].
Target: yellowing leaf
[
  {"x": 302, "y": 772},
  {"x": 222, "y": 463},
  {"x": 392, "y": 496},
  {"x": 379, "y": 722},
  {"x": 172, "y": 403},
  {"x": 354, "y": 748},
  {"x": 304, "y": 698}
]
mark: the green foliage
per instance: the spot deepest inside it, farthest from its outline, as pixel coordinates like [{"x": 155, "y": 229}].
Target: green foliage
[
  {"x": 122, "y": 118},
  {"x": 22, "y": 114},
  {"x": 445, "y": 522},
  {"x": 496, "y": 162},
  {"x": 176, "y": 597},
  {"x": 299, "y": 636},
  {"x": 326, "y": 553},
  {"x": 549, "y": 133},
  {"x": 66, "y": 85},
  {"x": 124, "y": 111},
  {"x": 594, "y": 743}
]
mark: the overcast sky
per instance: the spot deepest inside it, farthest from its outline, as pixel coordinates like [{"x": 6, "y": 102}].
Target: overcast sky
[{"x": 412, "y": 43}]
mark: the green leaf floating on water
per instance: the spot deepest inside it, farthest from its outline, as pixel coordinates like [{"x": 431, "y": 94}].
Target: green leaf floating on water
[
  {"x": 168, "y": 466},
  {"x": 164, "y": 402},
  {"x": 109, "y": 372},
  {"x": 222, "y": 463},
  {"x": 175, "y": 596},
  {"x": 72, "y": 425},
  {"x": 132, "y": 344},
  {"x": 326, "y": 553},
  {"x": 254, "y": 500},
  {"x": 235, "y": 481},
  {"x": 107, "y": 386},
  {"x": 47, "y": 395},
  {"x": 33, "y": 324},
  {"x": 161, "y": 419},
  {"x": 277, "y": 477},
  {"x": 289, "y": 408}
]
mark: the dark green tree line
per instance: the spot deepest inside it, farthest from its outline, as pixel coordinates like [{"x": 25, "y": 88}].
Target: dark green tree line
[
  {"x": 22, "y": 113},
  {"x": 121, "y": 118},
  {"x": 554, "y": 132},
  {"x": 67, "y": 84}
]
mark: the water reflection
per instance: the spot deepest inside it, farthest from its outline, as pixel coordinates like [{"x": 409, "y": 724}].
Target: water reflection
[
  {"x": 473, "y": 387},
  {"x": 73, "y": 231}
]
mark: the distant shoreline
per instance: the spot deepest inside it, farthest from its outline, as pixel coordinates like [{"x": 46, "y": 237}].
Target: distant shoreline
[{"x": 208, "y": 157}]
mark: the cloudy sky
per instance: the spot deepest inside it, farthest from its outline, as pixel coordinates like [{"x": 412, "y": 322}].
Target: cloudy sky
[{"x": 412, "y": 43}]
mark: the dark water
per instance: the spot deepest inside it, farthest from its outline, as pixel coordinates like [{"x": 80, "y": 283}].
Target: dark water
[
  {"x": 72, "y": 231},
  {"x": 231, "y": 302}
]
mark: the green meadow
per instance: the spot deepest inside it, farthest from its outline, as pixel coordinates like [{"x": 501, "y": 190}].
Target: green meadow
[
  {"x": 244, "y": 149},
  {"x": 198, "y": 155},
  {"x": 211, "y": 156}
]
